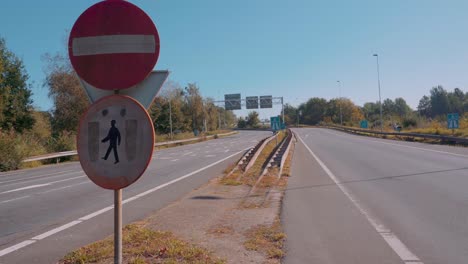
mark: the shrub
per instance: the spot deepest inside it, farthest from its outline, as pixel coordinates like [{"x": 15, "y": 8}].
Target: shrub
[
  {"x": 409, "y": 122},
  {"x": 14, "y": 148}
]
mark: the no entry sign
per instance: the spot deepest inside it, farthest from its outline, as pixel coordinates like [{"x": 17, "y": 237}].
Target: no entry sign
[
  {"x": 115, "y": 141},
  {"x": 113, "y": 45}
]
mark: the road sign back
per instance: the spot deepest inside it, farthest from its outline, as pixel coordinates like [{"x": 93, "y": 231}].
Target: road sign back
[
  {"x": 115, "y": 141},
  {"x": 113, "y": 45}
]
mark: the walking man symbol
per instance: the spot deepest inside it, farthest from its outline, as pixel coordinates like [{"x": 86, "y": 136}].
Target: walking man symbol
[{"x": 113, "y": 137}]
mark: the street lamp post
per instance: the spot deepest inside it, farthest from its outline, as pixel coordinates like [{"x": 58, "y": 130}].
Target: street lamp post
[
  {"x": 380, "y": 99},
  {"x": 170, "y": 116},
  {"x": 341, "y": 113}
]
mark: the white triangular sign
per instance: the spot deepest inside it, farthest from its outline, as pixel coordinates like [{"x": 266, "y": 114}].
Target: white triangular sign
[{"x": 144, "y": 92}]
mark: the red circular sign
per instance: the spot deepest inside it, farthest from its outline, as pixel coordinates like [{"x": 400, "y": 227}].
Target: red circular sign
[
  {"x": 113, "y": 45},
  {"x": 115, "y": 141}
]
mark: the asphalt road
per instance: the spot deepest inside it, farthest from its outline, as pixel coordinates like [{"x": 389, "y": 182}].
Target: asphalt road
[
  {"x": 49, "y": 211},
  {"x": 355, "y": 199}
]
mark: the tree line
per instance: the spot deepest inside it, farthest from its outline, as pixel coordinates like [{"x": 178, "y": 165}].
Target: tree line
[
  {"x": 432, "y": 107},
  {"x": 25, "y": 131}
]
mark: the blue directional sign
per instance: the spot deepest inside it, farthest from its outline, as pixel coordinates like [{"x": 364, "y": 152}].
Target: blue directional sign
[
  {"x": 275, "y": 123},
  {"x": 452, "y": 121},
  {"x": 363, "y": 124}
]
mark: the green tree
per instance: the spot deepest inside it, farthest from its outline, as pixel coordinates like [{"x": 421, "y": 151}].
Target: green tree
[
  {"x": 241, "y": 123},
  {"x": 290, "y": 114},
  {"x": 456, "y": 101},
  {"x": 70, "y": 100},
  {"x": 424, "y": 106},
  {"x": 439, "y": 101},
  {"x": 252, "y": 119},
  {"x": 401, "y": 107},
  {"x": 16, "y": 110},
  {"x": 313, "y": 110}
]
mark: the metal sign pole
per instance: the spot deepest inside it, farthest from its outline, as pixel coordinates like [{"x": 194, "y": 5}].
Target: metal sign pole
[{"x": 118, "y": 226}]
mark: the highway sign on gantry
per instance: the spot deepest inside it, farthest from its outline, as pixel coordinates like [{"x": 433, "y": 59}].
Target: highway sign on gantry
[
  {"x": 232, "y": 101},
  {"x": 115, "y": 141},
  {"x": 113, "y": 45},
  {"x": 453, "y": 121},
  {"x": 251, "y": 102},
  {"x": 266, "y": 101}
]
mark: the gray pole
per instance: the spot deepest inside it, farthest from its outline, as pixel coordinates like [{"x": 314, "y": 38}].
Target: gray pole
[
  {"x": 341, "y": 113},
  {"x": 380, "y": 99},
  {"x": 118, "y": 226},
  {"x": 170, "y": 116},
  {"x": 282, "y": 108}
]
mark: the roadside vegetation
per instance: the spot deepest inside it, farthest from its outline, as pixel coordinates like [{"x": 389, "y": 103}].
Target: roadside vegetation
[
  {"x": 267, "y": 239},
  {"x": 26, "y": 131},
  {"x": 430, "y": 117},
  {"x": 142, "y": 245}
]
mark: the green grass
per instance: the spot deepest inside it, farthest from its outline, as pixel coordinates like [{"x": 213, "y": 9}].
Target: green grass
[{"x": 142, "y": 245}]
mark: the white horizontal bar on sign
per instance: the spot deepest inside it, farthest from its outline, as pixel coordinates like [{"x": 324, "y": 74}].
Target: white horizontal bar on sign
[{"x": 112, "y": 44}]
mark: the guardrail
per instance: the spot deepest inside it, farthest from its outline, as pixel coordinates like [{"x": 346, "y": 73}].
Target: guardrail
[
  {"x": 62, "y": 154},
  {"x": 403, "y": 134}
]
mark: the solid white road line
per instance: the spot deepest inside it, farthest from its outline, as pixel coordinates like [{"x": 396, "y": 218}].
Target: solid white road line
[
  {"x": 392, "y": 240},
  {"x": 99, "y": 212},
  {"x": 402, "y": 145}
]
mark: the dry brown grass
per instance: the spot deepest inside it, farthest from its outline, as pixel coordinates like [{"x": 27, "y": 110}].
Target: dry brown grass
[
  {"x": 268, "y": 240},
  {"x": 142, "y": 245}
]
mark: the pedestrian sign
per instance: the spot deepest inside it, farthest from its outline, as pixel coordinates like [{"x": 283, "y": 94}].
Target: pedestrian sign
[
  {"x": 363, "y": 124},
  {"x": 275, "y": 123},
  {"x": 452, "y": 121}
]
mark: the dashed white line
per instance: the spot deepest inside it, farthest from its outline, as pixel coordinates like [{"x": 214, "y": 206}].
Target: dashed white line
[
  {"x": 392, "y": 240},
  {"x": 11, "y": 200},
  {"x": 92, "y": 215},
  {"x": 209, "y": 156},
  {"x": 27, "y": 188},
  {"x": 174, "y": 160},
  {"x": 64, "y": 187},
  {"x": 32, "y": 179}
]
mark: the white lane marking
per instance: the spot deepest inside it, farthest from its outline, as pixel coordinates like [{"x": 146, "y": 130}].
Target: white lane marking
[
  {"x": 193, "y": 155},
  {"x": 27, "y": 188},
  {"x": 227, "y": 150},
  {"x": 187, "y": 153},
  {"x": 392, "y": 240},
  {"x": 209, "y": 156},
  {"x": 16, "y": 247},
  {"x": 112, "y": 44},
  {"x": 164, "y": 158},
  {"x": 174, "y": 160},
  {"x": 82, "y": 176},
  {"x": 92, "y": 215},
  {"x": 65, "y": 187},
  {"x": 11, "y": 200},
  {"x": 56, "y": 230},
  {"x": 40, "y": 185},
  {"x": 406, "y": 146},
  {"x": 30, "y": 179}
]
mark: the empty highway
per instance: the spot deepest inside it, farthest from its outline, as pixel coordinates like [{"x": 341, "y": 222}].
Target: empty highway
[
  {"x": 356, "y": 199},
  {"x": 49, "y": 211}
]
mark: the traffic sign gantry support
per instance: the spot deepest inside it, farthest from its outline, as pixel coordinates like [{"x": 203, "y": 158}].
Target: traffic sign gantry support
[{"x": 114, "y": 45}]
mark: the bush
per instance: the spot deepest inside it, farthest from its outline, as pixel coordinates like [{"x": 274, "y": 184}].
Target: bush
[
  {"x": 409, "y": 122},
  {"x": 62, "y": 142},
  {"x": 14, "y": 148}
]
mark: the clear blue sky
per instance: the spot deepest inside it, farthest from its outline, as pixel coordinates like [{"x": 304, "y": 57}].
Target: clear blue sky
[{"x": 296, "y": 49}]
